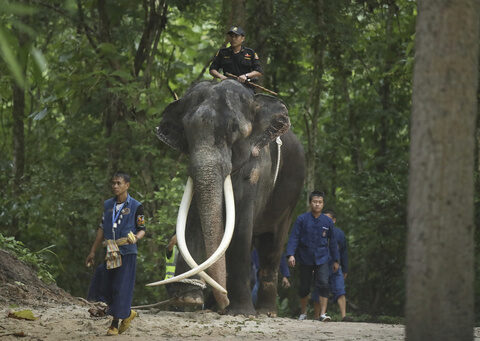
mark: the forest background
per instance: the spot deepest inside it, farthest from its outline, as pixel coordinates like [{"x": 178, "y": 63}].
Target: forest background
[{"x": 84, "y": 83}]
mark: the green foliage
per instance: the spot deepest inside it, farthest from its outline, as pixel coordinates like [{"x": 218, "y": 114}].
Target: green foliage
[
  {"x": 37, "y": 259},
  {"x": 283, "y": 307}
]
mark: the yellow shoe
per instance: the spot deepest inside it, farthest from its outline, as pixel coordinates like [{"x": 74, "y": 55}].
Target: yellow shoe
[
  {"x": 126, "y": 322},
  {"x": 112, "y": 331}
]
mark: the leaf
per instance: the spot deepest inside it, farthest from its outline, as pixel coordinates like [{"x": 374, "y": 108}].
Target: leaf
[
  {"x": 107, "y": 48},
  {"x": 19, "y": 9},
  {"x": 21, "y": 27},
  {"x": 9, "y": 57},
  {"x": 37, "y": 116},
  {"x": 122, "y": 74},
  {"x": 65, "y": 57},
  {"x": 39, "y": 59},
  {"x": 22, "y": 315}
]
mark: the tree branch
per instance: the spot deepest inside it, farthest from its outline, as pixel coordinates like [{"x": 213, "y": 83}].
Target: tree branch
[
  {"x": 83, "y": 25},
  {"x": 153, "y": 27}
]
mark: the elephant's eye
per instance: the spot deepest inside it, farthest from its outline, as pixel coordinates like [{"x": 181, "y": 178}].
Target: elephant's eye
[{"x": 234, "y": 127}]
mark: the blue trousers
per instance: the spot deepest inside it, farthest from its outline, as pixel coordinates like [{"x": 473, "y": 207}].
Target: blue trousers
[
  {"x": 320, "y": 275},
  {"x": 97, "y": 289},
  {"x": 119, "y": 287},
  {"x": 337, "y": 285}
]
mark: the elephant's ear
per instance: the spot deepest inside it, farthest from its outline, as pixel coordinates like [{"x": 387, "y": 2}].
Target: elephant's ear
[
  {"x": 271, "y": 120},
  {"x": 170, "y": 131}
]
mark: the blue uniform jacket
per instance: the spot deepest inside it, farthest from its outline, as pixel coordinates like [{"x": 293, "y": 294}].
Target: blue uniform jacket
[
  {"x": 125, "y": 222},
  {"x": 342, "y": 248},
  {"x": 312, "y": 240}
]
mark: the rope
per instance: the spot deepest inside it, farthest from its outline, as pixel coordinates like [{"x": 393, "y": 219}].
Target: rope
[
  {"x": 195, "y": 282},
  {"x": 279, "y": 144},
  {"x": 154, "y": 304}
]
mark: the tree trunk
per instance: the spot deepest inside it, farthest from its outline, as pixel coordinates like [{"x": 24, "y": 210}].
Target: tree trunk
[
  {"x": 237, "y": 13},
  {"x": 233, "y": 13},
  {"x": 259, "y": 23},
  {"x": 440, "y": 248},
  {"x": 385, "y": 89},
  {"x": 342, "y": 78},
  {"x": 318, "y": 45},
  {"x": 18, "y": 111},
  {"x": 18, "y": 116}
]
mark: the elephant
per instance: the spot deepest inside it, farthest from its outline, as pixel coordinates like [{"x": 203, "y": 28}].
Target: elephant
[{"x": 231, "y": 137}]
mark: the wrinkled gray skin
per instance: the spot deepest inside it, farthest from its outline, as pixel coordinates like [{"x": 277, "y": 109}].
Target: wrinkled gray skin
[{"x": 226, "y": 129}]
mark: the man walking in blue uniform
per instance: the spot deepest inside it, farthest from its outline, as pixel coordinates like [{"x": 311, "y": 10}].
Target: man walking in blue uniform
[
  {"x": 312, "y": 244},
  {"x": 337, "y": 279},
  {"x": 123, "y": 224}
]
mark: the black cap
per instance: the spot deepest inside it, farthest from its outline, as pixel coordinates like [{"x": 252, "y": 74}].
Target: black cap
[{"x": 236, "y": 30}]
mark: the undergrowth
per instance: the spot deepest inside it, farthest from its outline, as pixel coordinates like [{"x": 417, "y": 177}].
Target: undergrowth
[{"x": 32, "y": 258}]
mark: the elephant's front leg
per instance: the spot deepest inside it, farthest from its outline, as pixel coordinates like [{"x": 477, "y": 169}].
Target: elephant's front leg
[
  {"x": 269, "y": 253},
  {"x": 239, "y": 265}
]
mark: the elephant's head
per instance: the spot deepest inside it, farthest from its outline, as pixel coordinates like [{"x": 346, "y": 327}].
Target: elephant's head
[{"x": 221, "y": 126}]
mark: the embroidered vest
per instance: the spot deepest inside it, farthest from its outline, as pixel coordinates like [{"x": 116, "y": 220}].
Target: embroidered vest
[{"x": 125, "y": 222}]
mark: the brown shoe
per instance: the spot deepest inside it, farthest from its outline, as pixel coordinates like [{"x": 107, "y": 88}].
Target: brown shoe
[
  {"x": 112, "y": 331},
  {"x": 126, "y": 322}
]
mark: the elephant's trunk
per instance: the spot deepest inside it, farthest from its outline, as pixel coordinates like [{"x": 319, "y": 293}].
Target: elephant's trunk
[
  {"x": 208, "y": 186},
  {"x": 210, "y": 176},
  {"x": 182, "y": 245}
]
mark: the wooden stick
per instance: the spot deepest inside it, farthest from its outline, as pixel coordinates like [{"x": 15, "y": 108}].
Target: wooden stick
[{"x": 253, "y": 84}]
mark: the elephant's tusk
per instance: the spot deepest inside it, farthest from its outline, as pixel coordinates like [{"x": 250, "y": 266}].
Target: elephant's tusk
[
  {"x": 227, "y": 237},
  {"x": 182, "y": 244}
]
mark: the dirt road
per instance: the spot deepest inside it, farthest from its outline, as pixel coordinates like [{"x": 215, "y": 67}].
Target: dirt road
[{"x": 73, "y": 322}]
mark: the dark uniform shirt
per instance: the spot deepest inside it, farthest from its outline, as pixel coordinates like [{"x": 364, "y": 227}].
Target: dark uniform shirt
[
  {"x": 238, "y": 64},
  {"x": 312, "y": 240}
]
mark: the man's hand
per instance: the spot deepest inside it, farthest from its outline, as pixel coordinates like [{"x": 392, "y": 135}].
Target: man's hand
[
  {"x": 344, "y": 276},
  {"x": 217, "y": 74},
  {"x": 285, "y": 283},
  {"x": 89, "y": 260},
  {"x": 172, "y": 243},
  {"x": 131, "y": 238},
  {"x": 98, "y": 240},
  {"x": 291, "y": 261},
  {"x": 243, "y": 78},
  {"x": 335, "y": 266}
]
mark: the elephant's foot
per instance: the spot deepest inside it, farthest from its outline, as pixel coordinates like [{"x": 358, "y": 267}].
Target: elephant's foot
[
  {"x": 189, "y": 300},
  {"x": 241, "y": 307},
  {"x": 266, "y": 302},
  {"x": 247, "y": 312},
  {"x": 188, "y": 295},
  {"x": 267, "y": 312}
]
